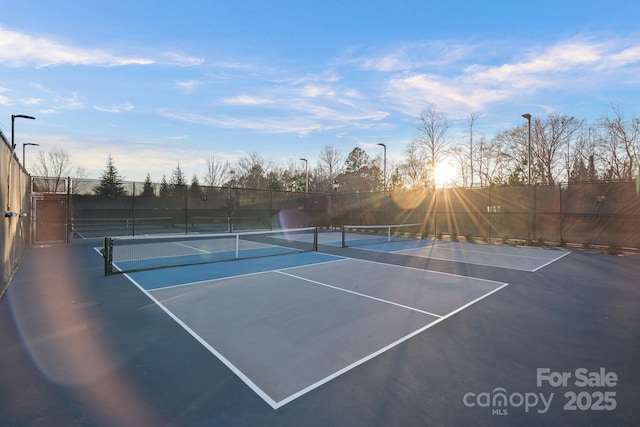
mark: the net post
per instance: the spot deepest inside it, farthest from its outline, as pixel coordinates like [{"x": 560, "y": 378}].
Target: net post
[
  {"x": 107, "y": 252},
  {"x": 344, "y": 242},
  {"x": 315, "y": 239},
  {"x": 237, "y": 246}
]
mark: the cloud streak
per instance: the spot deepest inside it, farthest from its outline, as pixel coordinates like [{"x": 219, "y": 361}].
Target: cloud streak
[
  {"x": 563, "y": 66},
  {"x": 25, "y": 50}
]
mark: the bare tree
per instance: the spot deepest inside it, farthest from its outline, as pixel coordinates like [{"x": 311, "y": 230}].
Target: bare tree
[
  {"x": 551, "y": 135},
  {"x": 330, "y": 165},
  {"x": 252, "y": 171},
  {"x": 464, "y": 155},
  {"x": 413, "y": 171},
  {"x": 432, "y": 138},
  {"x": 472, "y": 120},
  {"x": 621, "y": 137},
  {"x": 56, "y": 166},
  {"x": 216, "y": 173}
]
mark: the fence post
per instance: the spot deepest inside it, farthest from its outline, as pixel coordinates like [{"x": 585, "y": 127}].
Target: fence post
[{"x": 561, "y": 242}]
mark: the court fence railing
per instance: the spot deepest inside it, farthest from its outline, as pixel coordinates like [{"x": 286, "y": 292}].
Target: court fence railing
[
  {"x": 16, "y": 208},
  {"x": 587, "y": 214}
]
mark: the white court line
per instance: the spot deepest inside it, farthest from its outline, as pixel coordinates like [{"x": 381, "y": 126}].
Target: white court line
[
  {"x": 253, "y": 386},
  {"x": 382, "y": 350},
  {"x": 216, "y": 279},
  {"x": 425, "y": 270},
  {"x": 261, "y": 393},
  {"x": 192, "y": 247},
  {"x": 357, "y": 293},
  {"x": 550, "y": 262},
  {"x": 443, "y": 247},
  {"x": 465, "y": 261}
]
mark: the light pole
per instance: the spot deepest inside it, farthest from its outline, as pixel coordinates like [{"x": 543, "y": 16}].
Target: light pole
[
  {"x": 13, "y": 148},
  {"x": 306, "y": 166},
  {"x": 385, "y": 165},
  {"x": 24, "y": 164},
  {"x": 13, "y": 118},
  {"x": 528, "y": 117}
]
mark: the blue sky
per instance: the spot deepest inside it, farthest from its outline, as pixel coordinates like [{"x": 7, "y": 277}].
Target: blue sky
[{"x": 154, "y": 83}]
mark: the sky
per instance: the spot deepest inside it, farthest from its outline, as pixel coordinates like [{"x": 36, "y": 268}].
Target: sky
[{"x": 154, "y": 84}]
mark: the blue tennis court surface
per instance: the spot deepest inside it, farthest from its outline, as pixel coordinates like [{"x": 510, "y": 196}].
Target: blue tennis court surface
[
  {"x": 502, "y": 256},
  {"x": 161, "y": 278},
  {"x": 289, "y": 324}
]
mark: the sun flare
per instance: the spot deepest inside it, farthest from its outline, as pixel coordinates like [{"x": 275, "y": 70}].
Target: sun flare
[{"x": 444, "y": 174}]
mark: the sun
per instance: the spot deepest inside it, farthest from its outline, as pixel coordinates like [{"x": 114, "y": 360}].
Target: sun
[{"x": 444, "y": 174}]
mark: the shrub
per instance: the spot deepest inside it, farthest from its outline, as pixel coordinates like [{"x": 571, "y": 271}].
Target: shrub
[{"x": 614, "y": 249}]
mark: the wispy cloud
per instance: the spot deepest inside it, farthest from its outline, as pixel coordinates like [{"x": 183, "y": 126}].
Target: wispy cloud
[
  {"x": 127, "y": 106},
  {"x": 265, "y": 125},
  {"x": 462, "y": 86},
  {"x": 246, "y": 100},
  {"x": 407, "y": 56},
  {"x": 21, "y": 49},
  {"x": 188, "y": 86}
]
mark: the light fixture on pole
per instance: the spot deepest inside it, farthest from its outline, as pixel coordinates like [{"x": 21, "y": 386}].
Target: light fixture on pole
[
  {"x": 385, "y": 165},
  {"x": 306, "y": 163},
  {"x": 528, "y": 117},
  {"x": 13, "y": 118},
  {"x": 24, "y": 164}
]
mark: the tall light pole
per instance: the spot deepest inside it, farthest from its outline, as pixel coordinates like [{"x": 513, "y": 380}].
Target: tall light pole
[
  {"x": 13, "y": 118},
  {"x": 528, "y": 117},
  {"x": 306, "y": 166},
  {"x": 13, "y": 148},
  {"x": 385, "y": 165},
  {"x": 24, "y": 164}
]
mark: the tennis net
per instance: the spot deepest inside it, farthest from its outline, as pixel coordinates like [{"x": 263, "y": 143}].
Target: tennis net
[
  {"x": 360, "y": 235},
  {"x": 138, "y": 253}
]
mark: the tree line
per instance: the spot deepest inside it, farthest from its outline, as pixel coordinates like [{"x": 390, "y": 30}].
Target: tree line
[{"x": 562, "y": 148}]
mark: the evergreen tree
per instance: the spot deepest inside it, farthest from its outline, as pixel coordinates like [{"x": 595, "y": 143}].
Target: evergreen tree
[
  {"x": 195, "y": 190},
  {"x": 178, "y": 183},
  {"x": 356, "y": 159},
  {"x": 165, "y": 189},
  {"x": 147, "y": 188},
  {"x": 110, "y": 182}
]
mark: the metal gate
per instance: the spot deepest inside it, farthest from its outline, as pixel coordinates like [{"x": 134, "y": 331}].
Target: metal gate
[{"x": 50, "y": 218}]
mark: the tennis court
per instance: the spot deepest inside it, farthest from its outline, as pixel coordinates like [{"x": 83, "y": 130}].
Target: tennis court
[
  {"x": 380, "y": 239},
  {"x": 291, "y": 328}
]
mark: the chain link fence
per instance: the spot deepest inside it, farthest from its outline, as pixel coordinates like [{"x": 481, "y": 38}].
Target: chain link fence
[
  {"x": 15, "y": 200},
  {"x": 585, "y": 214}
]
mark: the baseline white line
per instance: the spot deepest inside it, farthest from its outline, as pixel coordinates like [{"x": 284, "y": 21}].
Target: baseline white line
[
  {"x": 382, "y": 350},
  {"x": 477, "y": 252},
  {"x": 426, "y": 271},
  {"x": 253, "y": 386},
  {"x": 357, "y": 293},
  {"x": 551, "y": 262},
  {"x": 449, "y": 260}
]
